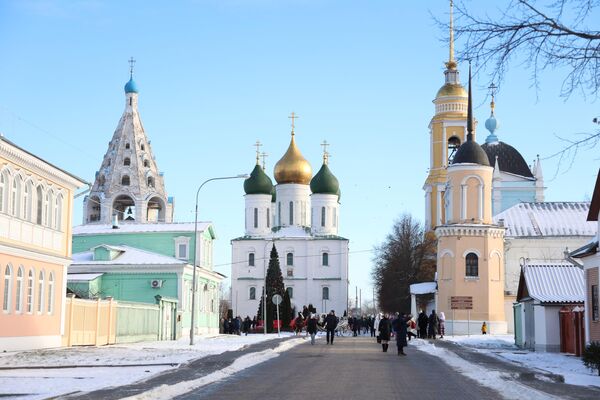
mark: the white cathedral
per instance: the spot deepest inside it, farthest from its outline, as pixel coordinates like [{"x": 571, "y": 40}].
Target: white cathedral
[{"x": 300, "y": 216}]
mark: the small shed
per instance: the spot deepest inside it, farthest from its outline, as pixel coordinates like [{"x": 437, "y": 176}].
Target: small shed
[{"x": 546, "y": 289}]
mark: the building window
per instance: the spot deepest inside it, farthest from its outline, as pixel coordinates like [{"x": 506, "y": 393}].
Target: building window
[
  {"x": 125, "y": 180},
  {"x": 251, "y": 259},
  {"x": 279, "y": 213},
  {"x": 19, "y": 296},
  {"x": 291, "y": 213},
  {"x": 325, "y": 293},
  {"x": 51, "y": 293},
  {"x": 16, "y": 196},
  {"x": 290, "y": 292},
  {"x": 146, "y": 164},
  {"x": 47, "y": 205},
  {"x": 252, "y": 293},
  {"x": 142, "y": 147},
  {"x": 38, "y": 207},
  {"x": 3, "y": 182},
  {"x": 40, "y": 307},
  {"x": 322, "y": 216},
  {"x": 472, "y": 265},
  {"x": 127, "y": 146},
  {"x": 268, "y": 218},
  {"x": 289, "y": 259},
  {"x": 182, "y": 251},
  {"x": 150, "y": 181},
  {"x": 595, "y": 316},
  {"x": 26, "y": 200},
  {"x": 58, "y": 212},
  {"x": 7, "y": 289},
  {"x": 30, "y": 291},
  {"x": 256, "y": 217},
  {"x": 127, "y": 161},
  {"x": 325, "y": 259}
]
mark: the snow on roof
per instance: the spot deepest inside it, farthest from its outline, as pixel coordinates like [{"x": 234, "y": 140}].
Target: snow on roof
[
  {"x": 82, "y": 277},
  {"x": 423, "y": 288},
  {"x": 124, "y": 227},
  {"x": 129, "y": 256},
  {"x": 567, "y": 218},
  {"x": 554, "y": 283}
]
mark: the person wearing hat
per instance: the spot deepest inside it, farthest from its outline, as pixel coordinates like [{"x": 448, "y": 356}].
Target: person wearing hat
[
  {"x": 311, "y": 327},
  {"x": 331, "y": 322}
]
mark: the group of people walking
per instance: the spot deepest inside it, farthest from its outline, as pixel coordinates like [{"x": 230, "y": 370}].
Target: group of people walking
[{"x": 431, "y": 326}]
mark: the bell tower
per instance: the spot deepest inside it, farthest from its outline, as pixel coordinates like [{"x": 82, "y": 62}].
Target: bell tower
[{"x": 447, "y": 131}]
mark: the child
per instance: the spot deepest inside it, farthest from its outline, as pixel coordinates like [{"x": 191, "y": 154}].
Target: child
[{"x": 484, "y": 329}]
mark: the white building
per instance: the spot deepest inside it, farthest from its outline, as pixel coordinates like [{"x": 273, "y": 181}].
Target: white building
[{"x": 300, "y": 216}]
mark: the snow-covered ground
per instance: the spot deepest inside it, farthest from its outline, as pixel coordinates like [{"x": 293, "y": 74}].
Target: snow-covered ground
[
  {"x": 44, "y": 382},
  {"x": 570, "y": 367}
]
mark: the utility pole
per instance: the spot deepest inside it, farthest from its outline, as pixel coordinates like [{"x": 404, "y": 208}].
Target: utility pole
[
  {"x": 356, "y": 298},
  {"x": 360, "y": 300}
]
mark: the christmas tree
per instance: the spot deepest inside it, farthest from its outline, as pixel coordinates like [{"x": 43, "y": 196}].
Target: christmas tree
[
  {"x": 286, "y": 313},
  {"x": 274, "y": 285}
]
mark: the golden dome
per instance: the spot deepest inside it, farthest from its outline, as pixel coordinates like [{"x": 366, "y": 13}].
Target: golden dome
[
  {"x": 293, "y": 167},
  {"x": 452, "y": 89}
]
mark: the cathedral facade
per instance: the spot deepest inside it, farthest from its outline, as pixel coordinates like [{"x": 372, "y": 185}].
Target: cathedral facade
[{"x": 299, "y": 215}]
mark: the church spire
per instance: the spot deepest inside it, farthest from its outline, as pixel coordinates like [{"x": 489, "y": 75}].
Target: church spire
[
  {"x": 491, "y": 123},
  {"x": 470, "y": 110},
  {"x": 451, "y": 64}
]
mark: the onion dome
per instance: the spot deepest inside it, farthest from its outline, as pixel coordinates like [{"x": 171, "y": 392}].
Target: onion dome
[
  {"x": 258, "y": 182},
  {"x": 470, "y": 151},
  {"x": 293, "y": 167},
  {"x": 131, "y": 87},
  {"x": 324, "y": 182},
  {"x": 452, "y": 90},
  {"x": 508, "y": 157}
]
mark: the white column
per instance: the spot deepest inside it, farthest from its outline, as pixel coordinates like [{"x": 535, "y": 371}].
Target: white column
[
  {"x": 413, "y": 304},
  {"x": 463, "y": 202},
  {"x": 438, "y": 217},
  {"x": 480, "y": 205}
]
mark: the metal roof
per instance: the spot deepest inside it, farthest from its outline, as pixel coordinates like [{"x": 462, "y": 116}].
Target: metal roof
[
  {"x": 554, "y": 283},
  {"x": 566, "y": 218},
  {"x": 124, "y": 227}
]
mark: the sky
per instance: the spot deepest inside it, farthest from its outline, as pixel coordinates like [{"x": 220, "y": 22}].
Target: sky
[{"x": 214, "y": 76}]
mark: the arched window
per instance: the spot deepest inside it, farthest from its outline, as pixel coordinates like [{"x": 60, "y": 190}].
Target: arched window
[
  {"x": 38, "y": 207},
  {"x": 48, "y": 203},
  {"x": 325, "y": 293},
  {"x": 290, "y": 292},
  {"x": 15, "y": 196},
  {"x": 127, "y": 161},
  {"x": 150, "y": 182},
  {"x": 251, "y": 259},
  {"x": 40, "y": 307},
  {"x": 30, "y": 291},
  {"x": 289, "y": 259},
  {"x": 7, "y": 289},
  {"x": 325, "y": 259},
  {"x": 3, "y": 182},
  {"x": 50, "y": 303},
  {"x": 58, "y": 212},
  {"x": 453, "y": 145},
  {"x": 252, "y": 293},
  {"x": 291, "y": 213},
  {"x": 142, "y": 147},
  {"x": 146, "y": 164},
  {"x": 26, "y": 214},
  {"x": 322, "y": 216},
  {"x": 125, "y": 180},
  {"x": 472, "y": 265},
  {"x": 127, "y": 146},
  {"x": 268, "y": 217},
  {"x": 19, "y": 294},
  {"x": 256, "y": 217}
]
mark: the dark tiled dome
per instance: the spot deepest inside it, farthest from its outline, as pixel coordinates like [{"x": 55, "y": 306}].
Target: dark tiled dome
[
  {"x": 471, "y": 152},
  {"x": 509, "y": 158}
]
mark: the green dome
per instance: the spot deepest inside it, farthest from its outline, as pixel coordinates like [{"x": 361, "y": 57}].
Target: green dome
[
  {"x": 324, "y": 182},
  {"x": 258, "y": 182}
]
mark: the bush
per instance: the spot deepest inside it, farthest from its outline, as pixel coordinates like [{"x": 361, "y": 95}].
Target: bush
[{"x": 591, "y": 356}]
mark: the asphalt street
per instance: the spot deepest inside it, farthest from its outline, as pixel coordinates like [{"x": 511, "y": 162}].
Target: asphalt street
[{"x": 353, "y": 368}]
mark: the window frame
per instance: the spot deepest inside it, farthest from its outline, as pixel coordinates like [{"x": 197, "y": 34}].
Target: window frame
[
  {"x": 51, "y": 288},
  {"x": 325, "y": 259},
  {"x": 289, "y": 259},
  {"x": 30, "y": 294},
  {"x": 251, "y": 259},
  {"x": 595, "y": 311},
  {"x": 472, "y": 265},
  {"x": 325, "y": 293},
  {"x": 252, "y": 293},
  {"x": 19, "y": 291},
  {"x": 8, "y": 289},
  {"x": 41, "y": 281}
]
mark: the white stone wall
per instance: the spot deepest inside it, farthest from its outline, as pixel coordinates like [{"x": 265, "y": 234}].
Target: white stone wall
[
  {"x": 297, "y": 194},
  {"x": 261, "y": 203},
  {"x": 330, "y": 224}
]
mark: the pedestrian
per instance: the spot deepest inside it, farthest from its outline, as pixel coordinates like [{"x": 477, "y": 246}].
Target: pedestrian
[
  {"x": 484, "y": 328},
  {"x": 432, "y": 325},
  {"x": 298, "y": 324},
  {"x": 331, "y": 322},
  {"x": 422, "y": 322},
  {"x": 442, "y": 327},
  {"x": 376, "y": 327},
  {"x": 372, "y": 325},
  {"x": 254, "y": 323},
  {"x": 355, "y": 326},
  {"x": 385, "y": 331},
  {"x": 225, "y": 326},
  {"x": 400, "y": 327},
  {"x": 237, "y": 325},
  {"x": 246, "y": 325},
  {"x": 412, "y": 327},
  {"x": 311, "y": 327}
]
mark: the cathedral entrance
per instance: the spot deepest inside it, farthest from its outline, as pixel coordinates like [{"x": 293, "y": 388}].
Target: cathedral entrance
[{"x": 124, "y": 207}]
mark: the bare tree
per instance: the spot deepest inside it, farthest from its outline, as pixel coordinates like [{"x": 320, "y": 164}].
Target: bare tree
[{"x": 539, "y": 35}]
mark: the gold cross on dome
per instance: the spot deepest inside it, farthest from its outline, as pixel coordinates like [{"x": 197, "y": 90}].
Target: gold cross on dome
[
  {"x": 258, "y": 145},
  {"x": 293, "y": 117},
  {"x": 325, "y": 152},
  {"x": 131, "y": 64}
]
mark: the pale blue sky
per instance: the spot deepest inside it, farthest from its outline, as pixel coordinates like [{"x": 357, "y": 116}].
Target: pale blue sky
[{"x": 215, "y": 76}]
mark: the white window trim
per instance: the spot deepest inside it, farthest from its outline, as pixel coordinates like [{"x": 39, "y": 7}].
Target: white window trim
[{"x": 182, "y": 240}]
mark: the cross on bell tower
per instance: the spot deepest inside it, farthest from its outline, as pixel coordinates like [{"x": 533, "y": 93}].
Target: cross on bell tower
[{"x": 293, "y": 117}]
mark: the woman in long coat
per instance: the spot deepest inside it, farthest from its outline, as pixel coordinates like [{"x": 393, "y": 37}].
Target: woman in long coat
[
  {"x": 385, "y": 331},
  {"x": 400, "y": 327}
]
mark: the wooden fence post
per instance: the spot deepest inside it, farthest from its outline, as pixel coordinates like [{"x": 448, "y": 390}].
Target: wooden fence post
[
  {"x": 97, "y": 322},
  {"x": 70, "y": 332},
  {"x": 110, "y": 309}
]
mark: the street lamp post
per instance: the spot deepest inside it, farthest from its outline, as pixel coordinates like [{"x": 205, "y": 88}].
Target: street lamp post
[{"x": 193, "y": 320}]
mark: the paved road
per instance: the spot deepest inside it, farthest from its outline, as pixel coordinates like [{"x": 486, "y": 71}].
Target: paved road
[{"x": 353, "y": 368}]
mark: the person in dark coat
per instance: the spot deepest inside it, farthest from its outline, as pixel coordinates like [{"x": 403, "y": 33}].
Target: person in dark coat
[
  {"x": 399, "y": 326},
  {"x": 433, "y": 324},
  {"x": 226, "y": 326},
  {"x": 311, "y": 328},
  {"x": 355, "y": 326},
  {"x": 385, "y": 332},
  {"x": 246, "y": 325},
  {"x": 422, "y": 321},
  {"x": 298, "y": 324},
  {"x": 331, "y": 322}
]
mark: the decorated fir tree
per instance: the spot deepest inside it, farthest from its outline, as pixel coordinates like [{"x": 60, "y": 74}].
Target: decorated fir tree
[{"x": 274, "y": 285}]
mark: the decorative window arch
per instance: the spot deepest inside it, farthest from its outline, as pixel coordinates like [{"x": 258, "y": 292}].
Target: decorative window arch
[
  {"x": 15, "y": 196},
  {"x": 290, "y": 292},
  {"x": 30, "y": 289},
  {"x": 127, "y": 161},
  {"x": 125, "y": 181},
  {"x": 289, "y": 259},
  {"x": 325, "y": 259},
  {"x": 323, "y": 212},
  {"x": 252, "y": 293},
  {"x": 19, "y": 293},
  {"x": 39, "y": 201},
  {"x": 8, "y": 283},
  {"x": 472, "y": 265},
  {"x": 325, "y": 293},
  {"x": 50, "y": 303},
  {"x": 251, "y": 259},
  {"x": 40, "y": 307}
]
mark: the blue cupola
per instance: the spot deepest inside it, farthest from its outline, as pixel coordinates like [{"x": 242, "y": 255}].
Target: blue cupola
[{"x": 131, "y": 87}]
